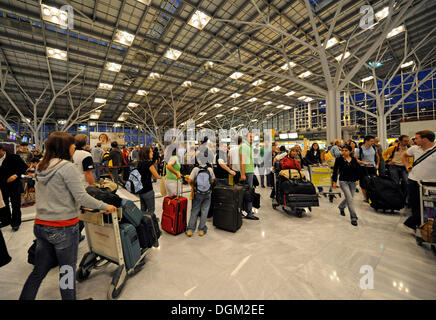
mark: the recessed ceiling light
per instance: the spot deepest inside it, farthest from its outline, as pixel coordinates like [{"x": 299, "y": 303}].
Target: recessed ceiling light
[
  {"x": 208, "y": 65},
  {"x": 155, "y": 75},
  {"x": 133, "y": 104},
  {"x": 142, "y": 92},
  {"x": 235, "y": 95},
  {"x": 146, "y": 2},
  {"x": 290, "y": 93},
  {"x": 54, "y": 15},
  {"x": 396, "y": 31},
  {"x": 289, "y": 64},
  {"x": 111, "y": 66},
  {"x": 367, "y": 79},
  {"x": 62, "y": 121},
  {"x": 199, "y": 20},
  {"x": 121, "y": 118},
  {"x": 56, "y": 54},
  {"x": 173, "y": 54},
  {"x": 234, "y": 108},
  {"x": 257, "y": 82},
  {"x": 267, "y": 103},
  {"x": 407, "y": 64},
  {"x": 333, "y": 41},
  {"x": 236, "y": 75},
  {"x": 187, "y": 84},
  {"x": 302, "y": 98},
  {"x": 124, "y": 37},
  {"x": 276, "y": 88},
  {"x": 339, "y": 57},
  {"x": 305, "y": 74},
  {"x": 217, "y": 105},
  {"x": 270, "y": 114},
  {"x": 253, "y": 100},
  {"x": 105, "y": 86},
  {"x": 280, "y": 106},
  {"x": 116, "y": 125},
  {"x": 92, "y": 124},
  {"x": 254, "y": 120},
  {"x": 219, "y": 116},
  {"x": 99, "y": 100},
  {"x": 286, "y": 108},
  {"x": 94, "y": 116},
  {"x": 202, "y": 113},
  {"x": 214, "y": 90},
  {"x": 206, "y": 122},
  {"x": 308, "y": 99}
]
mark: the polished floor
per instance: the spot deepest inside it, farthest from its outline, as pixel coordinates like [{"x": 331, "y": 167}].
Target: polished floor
[{"x": 319, "y": 256}]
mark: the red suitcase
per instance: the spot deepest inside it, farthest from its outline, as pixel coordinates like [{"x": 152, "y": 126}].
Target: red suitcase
[{"x": 174, "y": 213}]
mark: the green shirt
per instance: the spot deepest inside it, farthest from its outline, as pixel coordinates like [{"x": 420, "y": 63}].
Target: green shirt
[
  {"x": 169, "y": 175},
  {"x": 247, "y": 150}
]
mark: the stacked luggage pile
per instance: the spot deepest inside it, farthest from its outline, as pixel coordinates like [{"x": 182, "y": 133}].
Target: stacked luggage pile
[{"x": 292, "y": 189}]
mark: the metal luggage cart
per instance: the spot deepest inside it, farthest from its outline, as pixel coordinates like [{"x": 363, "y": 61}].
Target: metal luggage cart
[
  {"x": 104, "y": 241},
  {"x": 322, "y": 177},
  {"x": 297, "y": 207},
  {"x": 427, "y": 196}
]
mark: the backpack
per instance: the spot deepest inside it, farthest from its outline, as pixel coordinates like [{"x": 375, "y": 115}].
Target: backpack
[
  {"x": 202, "y": 181},
  {"x": 134, "y": 184}
]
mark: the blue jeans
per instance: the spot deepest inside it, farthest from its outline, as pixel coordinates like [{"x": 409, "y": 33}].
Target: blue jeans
[
  {"x": 96, "y": 171},
  {"x": 147, "y": 201},
  {"x": 349, "y": 188},
  {"x": 54, "y": 243},
  {"x": 200, "y": 204},
  {"x": 248, "y": 206}
]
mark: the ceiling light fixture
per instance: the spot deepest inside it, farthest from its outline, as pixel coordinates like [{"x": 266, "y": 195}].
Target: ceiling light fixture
[
  {"x": 173, "y": 54},
  {"x": 133, "y": 104},
  {"x": 257, "y": 82},
  {"x": 56, "y": 54},
  {"x": 121, "y": 118},
  {"x": 290, "y": 93},
  {"x": 407, "y": 64},
  {"x": 217, "y": 105},
  {"x": 235, "y": 95},
  {"x": 54, "y": 15},
  {"x": 99, "y": 100},
  {"x": 236, "y": 75},
  {"x": 253, "y": 99},
  {"x": 117, "y": 125},
  {"x": 105, "y": 86},
  {"x": 202, "y": 113},
  {"x": 339, "y": 57},
  {"x": 111, "y": 66},
  {"x": 305, "y": 74},
  {"x": 380, "y": 15},
  {"x": 94, "y": 116},
  {"x": 199, "y": 20},
  {"x": 267, "y": 103},
  {"x": 124, "y": 37},
  {"x": 155, "y": 75},
  {"x": 208, "y": 65},
  {"x": 287, "y": 65},
  {"x": 92, "y": 124},
  {"x": 187, "y": 84},
  {"x": 396, "y": 31},
  {"x": 367, "y": 79},
  {"x": 219, "y": 116},
  {"x": 214, "y": 90},
  {"x": 333, "y": 41},
  {"x": 276, "y": 88},
  {"x": 142, "y": 92},
  {"x": 234, "y": 108}
]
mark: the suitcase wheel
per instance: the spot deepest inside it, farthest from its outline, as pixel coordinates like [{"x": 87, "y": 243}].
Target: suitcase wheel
[
  {"x": 82, "y": 274},
  {"x": 331, "y": 198},
  {"x": 419, "y": 241},
  {"x": 275, "y": 205}
]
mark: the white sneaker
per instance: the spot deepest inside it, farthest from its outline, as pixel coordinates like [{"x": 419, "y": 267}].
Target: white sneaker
[{"x": 244, "y": 213}]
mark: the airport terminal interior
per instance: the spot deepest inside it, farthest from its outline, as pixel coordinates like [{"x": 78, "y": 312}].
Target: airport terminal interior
[{"x": 301, "y": 132}]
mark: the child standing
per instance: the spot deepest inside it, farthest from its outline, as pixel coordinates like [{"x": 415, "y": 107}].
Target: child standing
[{"x": 201, "y": 178}]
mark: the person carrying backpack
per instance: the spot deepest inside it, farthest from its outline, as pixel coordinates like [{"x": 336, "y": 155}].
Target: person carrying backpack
[
  {"x": 369, "y": 161},
  {"x": 202, "y": 179}
]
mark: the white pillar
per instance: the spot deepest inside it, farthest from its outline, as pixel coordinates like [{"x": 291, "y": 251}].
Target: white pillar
[
  {"x": 333, "y": 113},
  {"x": 382, "y": 130},
  {"x": 309, "y": 115}
]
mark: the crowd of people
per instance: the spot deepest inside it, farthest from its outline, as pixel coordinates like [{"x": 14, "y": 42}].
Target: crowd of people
[{"x": 69, "y": 165}]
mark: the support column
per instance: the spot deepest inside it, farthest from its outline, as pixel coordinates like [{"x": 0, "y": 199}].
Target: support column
[
  {"x": 382, "y": 128},
  {"x": 309, "y": 115},
  {"x": 333, "y": 113}
]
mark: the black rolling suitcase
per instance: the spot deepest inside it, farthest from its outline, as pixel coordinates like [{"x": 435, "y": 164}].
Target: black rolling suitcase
[
  {"x": 227, "y": 206},
  {"x": 148, "y": 231},
  {"x": 384, "y": 194}
]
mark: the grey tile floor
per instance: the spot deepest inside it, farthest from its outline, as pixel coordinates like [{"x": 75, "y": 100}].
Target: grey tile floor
[{"x": 281, "y": 256}]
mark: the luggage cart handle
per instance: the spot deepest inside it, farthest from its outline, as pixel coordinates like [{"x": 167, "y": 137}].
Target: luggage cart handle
[{"x": 83, "y": 210}]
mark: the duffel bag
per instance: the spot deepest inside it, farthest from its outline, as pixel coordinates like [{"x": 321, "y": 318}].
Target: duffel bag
[
  {"x": 289, "y": 163},
  {"x": 297, "y": 187},
  {"x": 292, "y": 174},
  {"x": 105, "y": 196}
]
